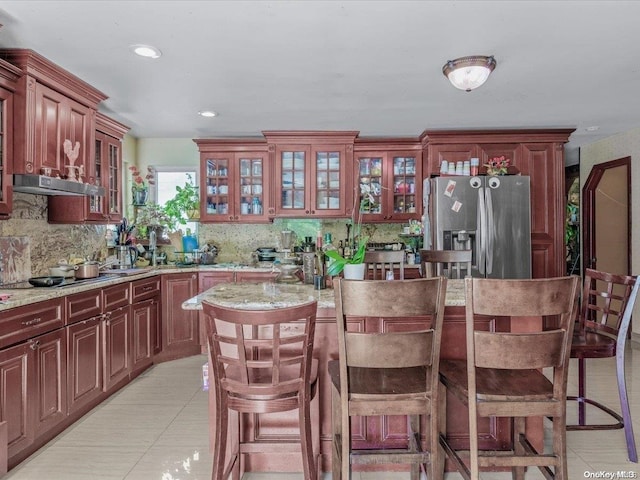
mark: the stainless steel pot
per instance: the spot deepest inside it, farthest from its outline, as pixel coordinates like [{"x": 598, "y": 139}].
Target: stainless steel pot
[{"x": 88, "y": 270}]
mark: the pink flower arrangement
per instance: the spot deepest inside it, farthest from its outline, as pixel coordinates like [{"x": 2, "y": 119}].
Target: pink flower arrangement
[
  {"x": 497, "y": 165},
  {"x": 139, "y": 180}
]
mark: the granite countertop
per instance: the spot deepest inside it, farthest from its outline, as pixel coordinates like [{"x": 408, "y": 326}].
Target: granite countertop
[
  {"x": 11, "y": 298},
  {"x": 267, "y": 295}
]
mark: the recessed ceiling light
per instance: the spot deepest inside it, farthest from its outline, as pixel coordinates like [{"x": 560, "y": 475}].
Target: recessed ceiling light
[
  {"x": 208, "y": 113},
  {"x": 146, "y": 51},
  {"x": 592, "y": 129}
]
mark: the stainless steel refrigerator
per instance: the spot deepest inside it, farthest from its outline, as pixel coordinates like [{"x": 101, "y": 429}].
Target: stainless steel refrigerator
[{"x": 489, "y": 215}]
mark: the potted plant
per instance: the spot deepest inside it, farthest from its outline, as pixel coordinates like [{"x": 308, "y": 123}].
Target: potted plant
[
  {"x": 352, "y": 266},
  {"x": 185, "y": 205}
]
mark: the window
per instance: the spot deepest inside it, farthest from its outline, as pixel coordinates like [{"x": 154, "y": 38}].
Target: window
[{"x": 167, "y": 179}]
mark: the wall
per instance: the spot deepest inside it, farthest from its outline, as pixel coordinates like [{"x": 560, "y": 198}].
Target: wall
[{"x": 623, "y": 145}]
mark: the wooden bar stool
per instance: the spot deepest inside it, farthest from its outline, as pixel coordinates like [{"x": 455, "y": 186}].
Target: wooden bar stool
[
  {"x": 502, "y": 376},
  {"x": 448, "y": 263},
  {"x": 390, "y": 373},
  {"x": 379, "y": 262},
  {"x": 262, "y": 363},
  {"x": 603, "y": 325}
]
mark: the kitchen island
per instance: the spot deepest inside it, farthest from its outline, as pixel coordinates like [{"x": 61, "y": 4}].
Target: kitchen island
[{"x": 371, "y": 432}]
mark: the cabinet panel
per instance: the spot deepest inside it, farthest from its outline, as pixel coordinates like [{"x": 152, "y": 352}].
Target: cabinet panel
[
  {"x": 255, "y": 276},
  {"x": 21, "y": 323},
  {"x": 179, "y": 327},
  {"x": 144, "y": 319},
  {"x": 116, "y": 347},
  {"x": 206, "y": 280},
  {"x": 15, "y": 387},
  {"x": 236, "y": 186},
  {"x": 6, "y": 150},
  {"x": 450, "y": 153},
  {"x": 390, "y": 185},
  {"x": 51, "y": 380},
  {"x": 84, "y": 369},
  {"x": 115, "y": 296},
  {"x": 81, "y": 306},
  {"x": 145, "y": 289}
]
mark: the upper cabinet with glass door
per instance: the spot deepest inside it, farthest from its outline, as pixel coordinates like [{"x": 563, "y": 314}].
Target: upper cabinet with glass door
[
  {"x": 311, "y": 173},
  {"x": 235, "y": 184},
  {"x": 390, "y": 185}
]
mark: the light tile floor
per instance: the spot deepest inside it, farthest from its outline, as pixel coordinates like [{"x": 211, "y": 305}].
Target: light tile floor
[{"x": 156, "y": 429}]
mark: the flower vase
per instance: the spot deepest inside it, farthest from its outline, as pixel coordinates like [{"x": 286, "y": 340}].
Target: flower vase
[
  {"x": 492, "y": 172},
  {"x": 354, "y": 271},
  {"x": 140, "y": 196}
]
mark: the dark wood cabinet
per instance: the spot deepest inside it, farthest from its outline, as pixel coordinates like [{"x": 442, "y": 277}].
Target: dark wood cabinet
[
  {"x": 206, "y": 280},
  {"x": 312, "y": 172},
  {"x": 16, "y": 386},
  {"x": 51, "y": 105},
  {"x": 255, "y": 276},
  {"x": 388, "y": 177},
  {"x": 105, "y": 170},
  {"x": 144, "y": 335},
  {"x": 179, "y": 327},
  {"x": 235, "y": 181},
  {"x": 536, "y": 153},
  {"x": 50, "y": 372},
  {"x": 8, "y": 82},
  {"x": 84, "y": 370},
  {"x": 116, "y": 331}
]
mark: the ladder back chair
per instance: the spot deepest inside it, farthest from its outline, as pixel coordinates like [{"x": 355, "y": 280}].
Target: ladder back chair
[
  {"x": 449, "y": 263},
  {"x": 502, "y": 376},
  {"x": 379, "y": 262},
  {"x": 262, "y": 363},
  {"x": 603, "y": 326},
  {"x": 390, "y": 373}
]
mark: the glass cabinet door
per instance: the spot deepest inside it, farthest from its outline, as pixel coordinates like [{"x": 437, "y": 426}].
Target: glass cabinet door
[
  {"x": 404, "y": 185},
  {"x": 251, "y": 185},
  {"x": 113, "y": 167},
  {"x": 4, "y": 177},
  {"x": 328, "y": 181},
  {"x": 370, "y": 178},
  {"x": 217, "y": 186},
  {"x": 293, "y": 180},
  {"x": 96, "y": 202}
]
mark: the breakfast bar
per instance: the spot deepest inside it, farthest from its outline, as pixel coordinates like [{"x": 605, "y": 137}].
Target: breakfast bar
[{"x": 370, "y": 432}]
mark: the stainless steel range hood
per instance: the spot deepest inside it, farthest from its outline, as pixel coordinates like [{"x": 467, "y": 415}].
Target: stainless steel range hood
[{"x": 42, "y": 185}]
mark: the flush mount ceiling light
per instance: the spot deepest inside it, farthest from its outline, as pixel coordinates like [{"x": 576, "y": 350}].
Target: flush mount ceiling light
[
  {"x": 208, "y": 113},
  {"x": 468, "y": 73},
  {"x": 146, "y": 51}
]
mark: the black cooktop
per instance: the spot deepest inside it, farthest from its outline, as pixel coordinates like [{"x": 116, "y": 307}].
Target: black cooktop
[{"x": 68, "y": 282}]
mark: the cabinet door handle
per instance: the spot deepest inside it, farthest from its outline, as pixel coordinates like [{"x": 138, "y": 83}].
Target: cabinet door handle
[
  {"x": 33, "y": 321},
  {"x": 306, "y": 211},
  {"x": 313, "y": 212},
  {"x": 147, "y": 288},
  {"x": 34, "y": 344},
  {"x": 230, "y": 217},
  {"x": 193, "y": 276}
]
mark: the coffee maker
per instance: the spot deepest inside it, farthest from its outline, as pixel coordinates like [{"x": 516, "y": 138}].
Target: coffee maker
[{"x": 288, "y": 260}]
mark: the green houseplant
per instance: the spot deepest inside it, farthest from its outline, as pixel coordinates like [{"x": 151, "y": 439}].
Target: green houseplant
[{"x": 185, "y": 205}]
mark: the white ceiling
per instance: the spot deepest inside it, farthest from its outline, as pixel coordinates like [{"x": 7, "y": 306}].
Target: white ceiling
[{"x": 370, "y": 66}]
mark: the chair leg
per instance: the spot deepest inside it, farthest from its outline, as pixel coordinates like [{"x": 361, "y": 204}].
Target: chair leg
[
  {"x": 437, "y": 426},
  {"x": 624, "y": 406},
  {"x": 473, "y": 442},
  {"x": 560, "y": 447},
  {"x": 336, "y": 432},
  {"x": 220, "y": 442},
  {"x": 306, "y": 442},
  {"x": 517, "y": 473},
  {"x": 413, "y": 424},
  {"x": 582, "y": 391}
]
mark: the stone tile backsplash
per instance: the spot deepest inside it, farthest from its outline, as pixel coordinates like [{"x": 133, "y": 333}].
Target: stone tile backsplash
[{"x": 30, "y": 245}]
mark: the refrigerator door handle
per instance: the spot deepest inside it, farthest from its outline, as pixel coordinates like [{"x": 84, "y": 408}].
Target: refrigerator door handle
[
  {"x": 481, "y": 239},
  {"x": 490, "y": 232}
]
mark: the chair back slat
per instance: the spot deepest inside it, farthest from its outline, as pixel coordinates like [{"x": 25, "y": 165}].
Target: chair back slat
[
  {"x": 379, "y": 262},
  {"x": 537, "y": 350},
  {"x": 389, "y": 350},
  {"x": 449, "y": 263},
  {"x": 604, "y": 300},
  {"x": 260, "y": 353}
]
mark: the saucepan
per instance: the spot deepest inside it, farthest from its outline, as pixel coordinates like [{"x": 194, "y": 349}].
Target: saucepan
[
  {"x": 46, "y": 281},
  {"x": 62, "y": 270},
  {"x": 88, "y": 270}
]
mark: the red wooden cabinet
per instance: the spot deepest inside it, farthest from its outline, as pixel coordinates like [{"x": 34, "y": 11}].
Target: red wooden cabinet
[
  {"x": 179, "y": 327},
  {"x": 144, "y": 333},
  {"x": 8, "y": 82},
  {"x": 312, "y": 172},
  {"x": 50, "y": 367},
  {"x": 388, "y": 180},
  {"x": 105, "y": 170},
  {"x": 84, "y": 369}
]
